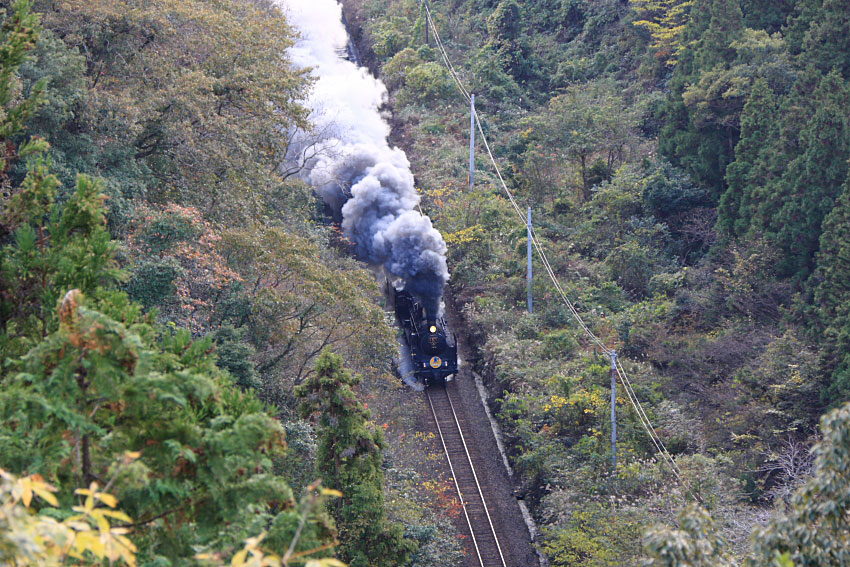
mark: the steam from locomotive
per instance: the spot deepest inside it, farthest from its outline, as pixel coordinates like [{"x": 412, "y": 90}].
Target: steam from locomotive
[{"x": 367, "y": 184}]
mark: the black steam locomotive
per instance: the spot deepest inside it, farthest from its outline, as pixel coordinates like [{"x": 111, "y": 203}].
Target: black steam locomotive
[{"x": 433, "y": 352}]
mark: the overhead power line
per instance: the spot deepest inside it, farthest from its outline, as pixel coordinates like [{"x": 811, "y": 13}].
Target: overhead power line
[{"x": 621, "y": 373}]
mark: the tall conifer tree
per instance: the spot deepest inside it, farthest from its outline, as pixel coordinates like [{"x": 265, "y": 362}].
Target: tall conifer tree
[
  {"x": 703, "y": 149},
  {"x": 714, "y": 47},
  {"x": 827, "y": 41},
  {"x": 758, "y": 126},
  {"x": 766, "y": 175},
  {"x": 349, "y": 460},
  {"x": 805, "y": 12},
  {"x": 813, "y": 180},
  {"x": 768, "y": 15},
  {"x": 829, "y": 289}
]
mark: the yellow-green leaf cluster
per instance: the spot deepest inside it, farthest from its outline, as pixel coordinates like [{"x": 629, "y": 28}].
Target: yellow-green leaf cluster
[
  {"x": 664, "y": 20},
  {"x": 85, "y": 538}
]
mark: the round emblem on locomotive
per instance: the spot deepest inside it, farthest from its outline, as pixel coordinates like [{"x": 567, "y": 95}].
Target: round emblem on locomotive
[{"x": 435, "y": 362}]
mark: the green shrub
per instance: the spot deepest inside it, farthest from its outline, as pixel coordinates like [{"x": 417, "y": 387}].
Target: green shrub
[
  {"x": 667, "y": 283},
  {"x": 631, "y": 266},
  {"x": 528, "y": 327},
  {"x": 394, "y": 72},
  {"x": 165, "y": 230},
  {"x": 669, "y": 191},
  {"x": 560, "y": 343},
  {"x": 389, "y": 36},
  {"x": 427, "y": 83},
  {"x": 598, "y": 172},
  {"x": 153, "y": 281},
  {"x": 234, "y": 355},
  {"x": 593, "y": 537}
]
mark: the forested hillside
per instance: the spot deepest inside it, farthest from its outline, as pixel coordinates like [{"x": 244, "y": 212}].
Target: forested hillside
[
  {"x": 687, "y": 166},
  {"x": 166, "y": 282},
  {"x": 195, "y": 371}
]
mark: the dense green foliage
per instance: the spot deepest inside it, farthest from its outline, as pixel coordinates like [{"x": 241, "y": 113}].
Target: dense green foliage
[
  {"x": 165, "y": 282},
  {"x": 686, "y": 162},
  {"x": 349, "y": 460},
  {"x": 811, "y": 531},
  {"x": 88, "y": 379},
  {"x": 829, "y": 296}
]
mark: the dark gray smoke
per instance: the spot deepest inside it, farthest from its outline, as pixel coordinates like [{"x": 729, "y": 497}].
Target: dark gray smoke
[{"x": 367, "y": 183}]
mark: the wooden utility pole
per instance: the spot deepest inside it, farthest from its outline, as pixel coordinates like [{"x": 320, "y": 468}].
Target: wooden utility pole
[{"x": 613, "y": 410}]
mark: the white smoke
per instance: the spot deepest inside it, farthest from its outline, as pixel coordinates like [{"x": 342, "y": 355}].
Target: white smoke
[
  {"x": 367, "y": 183},
  {"x": 404, "y": 363}
]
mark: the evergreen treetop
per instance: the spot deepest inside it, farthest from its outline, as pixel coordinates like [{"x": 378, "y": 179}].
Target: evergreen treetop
[{"x": 349, "y": 460}]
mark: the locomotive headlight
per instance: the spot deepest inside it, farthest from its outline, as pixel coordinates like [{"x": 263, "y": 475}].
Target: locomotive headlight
[{"x": 433, "y": 328}]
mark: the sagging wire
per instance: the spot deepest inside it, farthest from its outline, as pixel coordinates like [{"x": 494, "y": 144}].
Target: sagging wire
[{"x": 621, "y": 372}]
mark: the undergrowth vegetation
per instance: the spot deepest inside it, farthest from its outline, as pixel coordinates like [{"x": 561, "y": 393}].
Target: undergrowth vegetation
[
  {"x": 166, "y": 282},
  {"x": 170, "y": 290},
  {"x": 686, "y": 163}
]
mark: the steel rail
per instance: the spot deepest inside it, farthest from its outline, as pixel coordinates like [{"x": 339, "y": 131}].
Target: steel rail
[
  {"x": 454, "y": 478},
  {"x": 474, "y": 476}
]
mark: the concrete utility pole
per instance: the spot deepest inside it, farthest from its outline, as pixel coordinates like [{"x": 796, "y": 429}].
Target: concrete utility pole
[
  {"x": 528, "y": 228},
  {"x": 471, "y": 141},
  {"x": 427, "y": 38},
  {"x": 613, "y": 410}
]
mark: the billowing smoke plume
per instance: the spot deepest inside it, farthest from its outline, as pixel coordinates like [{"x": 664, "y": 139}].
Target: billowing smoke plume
[{"x": 367, "y": 183}]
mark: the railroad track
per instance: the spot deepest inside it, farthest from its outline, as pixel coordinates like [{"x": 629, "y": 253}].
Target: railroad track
[{"x": 485, "y": 542}]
